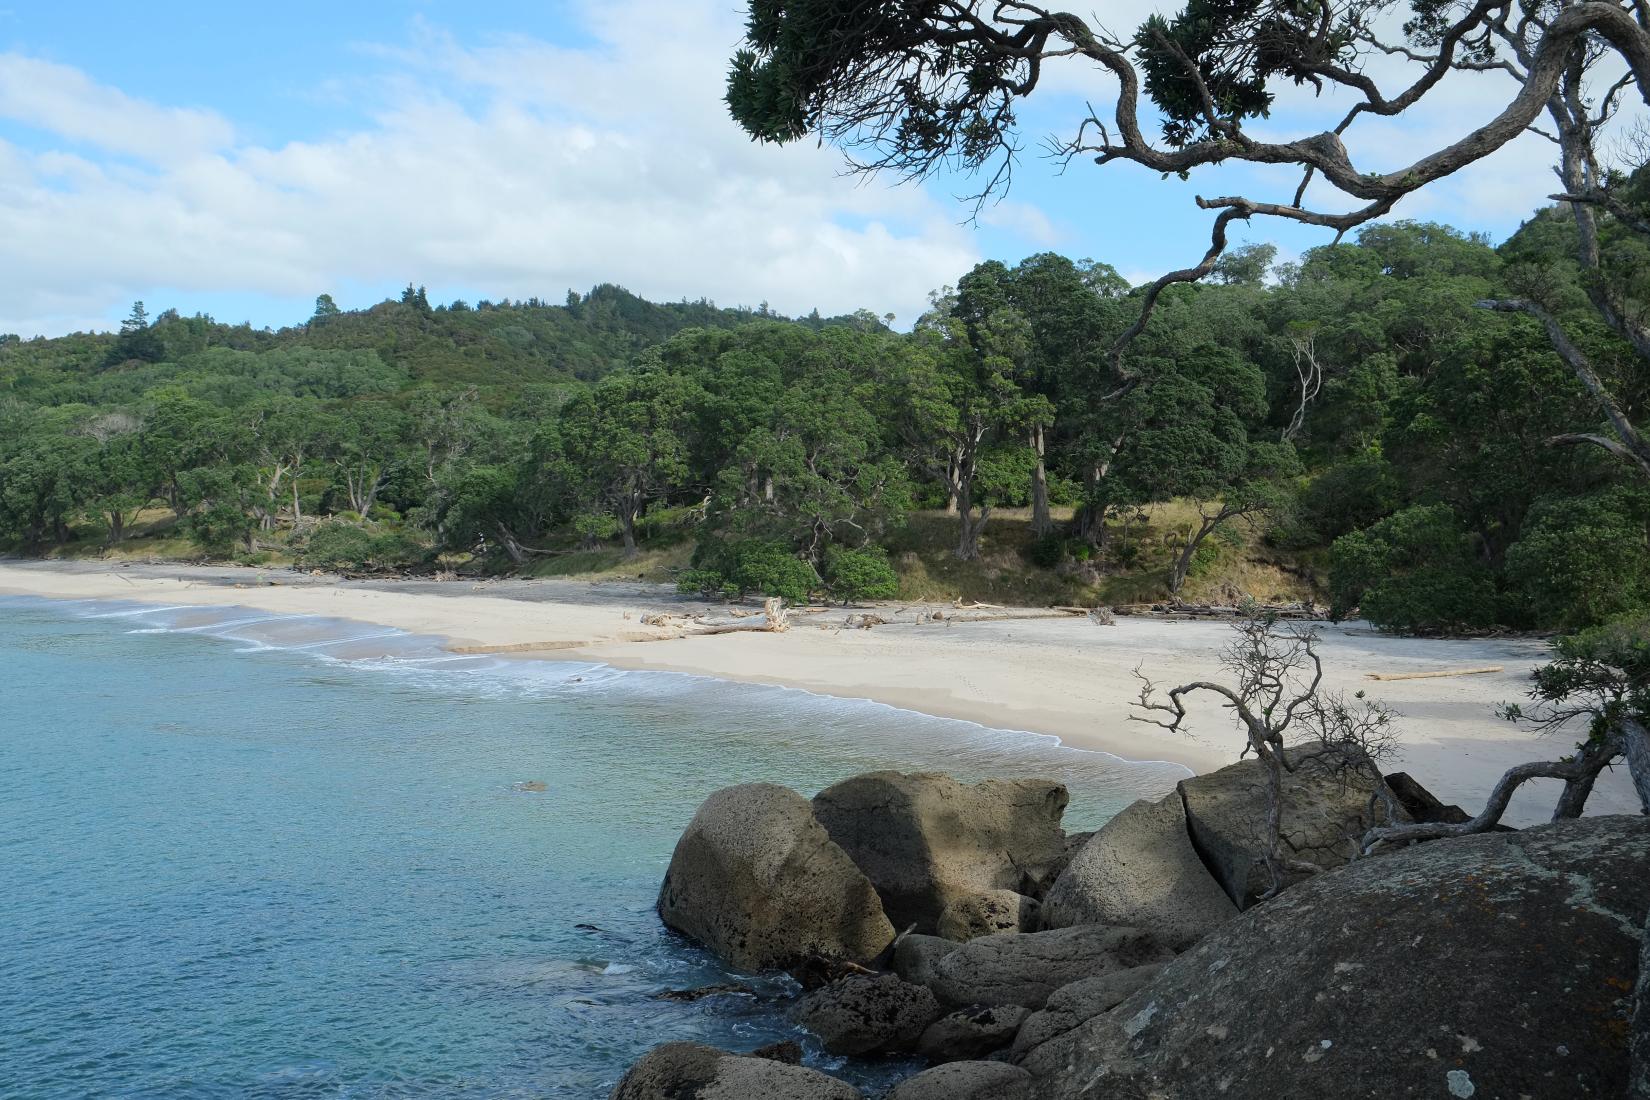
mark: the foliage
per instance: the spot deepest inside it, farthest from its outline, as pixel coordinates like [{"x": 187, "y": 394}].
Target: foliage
[
  {"x": 1412, "y": 572},
  {"x": 854, "y": 575},
  {"x": 760, "y": 566}
]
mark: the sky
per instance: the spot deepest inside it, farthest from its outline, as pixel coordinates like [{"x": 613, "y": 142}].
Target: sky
[{"x": 239, "y": 160}]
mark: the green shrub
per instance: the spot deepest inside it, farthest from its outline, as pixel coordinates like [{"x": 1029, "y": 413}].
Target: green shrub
[
  {"x": 1046, "y": 552},
  {"x": 1583, "y": 560},
  {"x": 338, "y": 544},
  {"x": 1413, "y": 572},
  {"x": 853, "y": 575},
  {"x": 1349, "y": 497},
  {"x": 750, "y": 565}
]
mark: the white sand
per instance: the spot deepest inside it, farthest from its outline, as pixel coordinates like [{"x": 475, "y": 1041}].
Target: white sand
[{"x": 1066, "y": 676}]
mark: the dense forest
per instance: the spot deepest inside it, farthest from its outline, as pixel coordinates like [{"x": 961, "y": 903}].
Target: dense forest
[{"x": 1350, "y": 421}]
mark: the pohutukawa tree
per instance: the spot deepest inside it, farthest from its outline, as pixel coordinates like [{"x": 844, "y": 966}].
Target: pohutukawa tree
[{"x": 916, "y": 86}]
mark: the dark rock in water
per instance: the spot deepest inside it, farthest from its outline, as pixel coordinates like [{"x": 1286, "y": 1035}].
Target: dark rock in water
[
  {"x": 786, "y": 1051},
  {"x": 926, "y": 839},
  {"x": 967, "y": 1081},
  {"x": 1024, "y": 969},
  {"x": 969, "y": 916},
  {"x": 1489, "y": 966},
  {"x": 1141, "y": 870},
  {"x": 1072, "y": 1005},
  {"x": 971, "y": 1033},
  {"x": 863, "y": 1014},
  {"x": 689, "y": 995},
  {"x": 1324, "y": 808},
  {"x": 757, "y": 880},
  {"x": 689, "y": 1071},
  {"x": 1421, "y": 803},
  {"x": 917, "y": 956},
  {"x": 816, "y": 971}
]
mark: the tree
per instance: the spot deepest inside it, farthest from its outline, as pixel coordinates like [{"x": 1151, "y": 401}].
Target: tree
[
  {"x": 628, "y": 436},
  {"x": 1278, "y": 700},
  {"x": 1600, "y": 678},
  {"x": 915, "y": 89},
  {"x": 137, "y": 340},
  {"x": 325, "y": 309}
]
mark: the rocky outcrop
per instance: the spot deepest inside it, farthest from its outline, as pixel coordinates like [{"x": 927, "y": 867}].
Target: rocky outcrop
[
  {"x": 971, "y": 1033},
  {"x": 925, "y": 840},
  {"x": 689, "y": 1071},
  {"x": 1325, "y": 808},
  {"x": 757, "y": 880},
  {"x": 967, "y": 1081},
  {"x": 1024, "y": 969},
  {"x": 986, "y": 914},
  {"x": 1141, "y": 869},
  {"x": 865, "y": 1013},
  {"x": 1499, "y": 965},
  {"x": 1071, "y": 1006},
  {"x": 1640, "y": 1087}
]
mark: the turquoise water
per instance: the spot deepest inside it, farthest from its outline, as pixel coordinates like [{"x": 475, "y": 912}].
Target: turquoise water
[{"x": 255, "y": 856}]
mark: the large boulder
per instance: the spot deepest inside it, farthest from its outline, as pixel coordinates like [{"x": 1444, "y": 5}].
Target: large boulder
[
  {"x": 757, "y": 880},
  {"x": 966, "y": 1081},
  {"x": 1076, "y": 1004},
  {"x": 865, "y": 1013},
  {"x": 1024, "y": 968},
  {"x": 1490, "y": 966},
  {"x": 689, "y": 1071},
  {"x": 1326, "y": 807},
  {"x": 926, "y": 839},
  {"x": 971, "y": 1033},
  {"x": 970, "y": 916},
  {"x": 1140, "y": 869}
]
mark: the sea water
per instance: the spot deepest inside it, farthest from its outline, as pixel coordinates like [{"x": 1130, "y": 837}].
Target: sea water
[{"x": 250, "y": 855}]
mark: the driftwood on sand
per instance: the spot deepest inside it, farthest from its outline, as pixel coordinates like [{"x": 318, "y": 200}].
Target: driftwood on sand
[
  {"x": 774, "y": 619},
  {"x": 1439, "y": 674}
]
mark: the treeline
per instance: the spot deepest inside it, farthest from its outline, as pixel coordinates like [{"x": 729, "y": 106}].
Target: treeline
[{"x": 1355, "y": 410}]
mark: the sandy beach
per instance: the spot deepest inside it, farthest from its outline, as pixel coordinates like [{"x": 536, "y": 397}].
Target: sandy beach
[{"x": 1049, "y": 674}]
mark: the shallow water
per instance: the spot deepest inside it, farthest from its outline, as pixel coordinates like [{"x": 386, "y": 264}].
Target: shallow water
[{"x": 247, "y": 855}]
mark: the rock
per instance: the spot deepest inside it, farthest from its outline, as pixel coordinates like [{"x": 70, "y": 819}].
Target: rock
[
  {"x": 916, "y": 957},
  {"x": 1323, "y": 811},
  {"x": 1024, "y": 969},
  {"x": 689, "y": 1071},
  {"x": 1141, "y": 870},
  {"x": 1077, "y": 1003},
  {"x": 1421, "y": 803},
  {"x": 687, "y": 996},
  {"x": 861, "y": 1014},
  {"x": 970, "y": 916},
  {"x": 785, "y": 1051},
  {"x": 1639, "y": 1087},
  {"x": 966, "y": 1081},
  {"x": 1499, "y": 965},
  {"x": 925, "y": 839},
  {"x": 757, "y": 880},
  {"x": 971, "y": 1033}
]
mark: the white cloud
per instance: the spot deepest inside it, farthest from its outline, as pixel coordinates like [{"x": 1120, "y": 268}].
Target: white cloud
[
  {"x": 66, "y": 102},
  {"x": 518, "y": 168}
]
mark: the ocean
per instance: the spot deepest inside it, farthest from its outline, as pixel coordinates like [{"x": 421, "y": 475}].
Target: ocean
[{"x": 247, "y": 855}]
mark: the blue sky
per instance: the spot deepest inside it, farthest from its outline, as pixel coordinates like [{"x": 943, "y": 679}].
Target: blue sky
[{"x": 240, "y": 159}]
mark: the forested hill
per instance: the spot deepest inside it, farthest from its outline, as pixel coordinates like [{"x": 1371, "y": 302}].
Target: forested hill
[
  {"x": 1350, "y": 427},
  {"x": 487, "y": 343}
]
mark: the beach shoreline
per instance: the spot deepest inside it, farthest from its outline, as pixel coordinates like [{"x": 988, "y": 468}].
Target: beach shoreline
[{"x": 1060, "y": 676}]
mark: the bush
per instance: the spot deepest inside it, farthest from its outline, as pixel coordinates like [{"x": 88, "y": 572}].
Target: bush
[
  {"x": 853, "y": 575},
  {"x": 1583, "y": 560},
  {"x": 749, "y": 565},
  {"x": 1414, "y": 572},
  {"x": 1046, "y": 552},
  {"x": 337, "y": 544},
  {"x": 1353, "y": 495}
]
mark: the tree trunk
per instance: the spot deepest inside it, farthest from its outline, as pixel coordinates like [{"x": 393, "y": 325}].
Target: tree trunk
[
  {"x": 511, "y": 547},
  {"x": 627, "y": 527},
  {"x": 1637, "y": 737},
  {"x": 969, "y": 530},
  {"x": 117, "y": 526},
  {"x": 1041, "y": 523}
]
